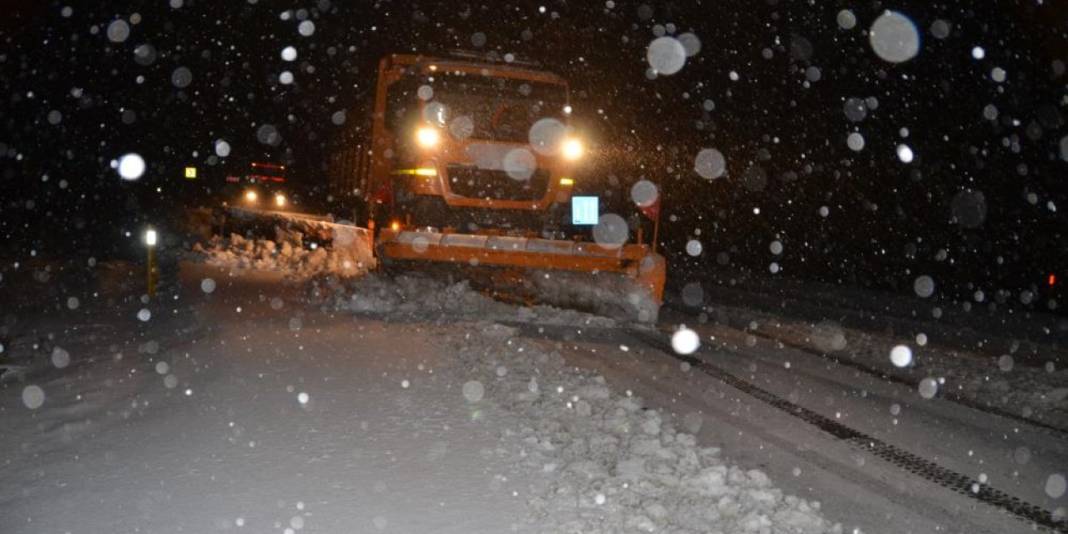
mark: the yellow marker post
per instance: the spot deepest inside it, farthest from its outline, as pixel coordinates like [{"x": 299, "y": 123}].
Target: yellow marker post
[{"x": 151, "y": 238}]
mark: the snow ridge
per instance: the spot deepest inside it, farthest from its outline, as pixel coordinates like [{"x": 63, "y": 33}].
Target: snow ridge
[{"x": 347, "y": 256}]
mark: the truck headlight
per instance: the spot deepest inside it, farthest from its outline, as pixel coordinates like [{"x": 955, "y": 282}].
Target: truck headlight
[
  {"x": 251, "y": 197},
  {"x": 279, "y": 200},
  {"x": 571, "y": 149},
  {"x": 427, "y": 137}
]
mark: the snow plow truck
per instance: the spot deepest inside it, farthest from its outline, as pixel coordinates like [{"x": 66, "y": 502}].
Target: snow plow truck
[{"x": 468, "y": 164}]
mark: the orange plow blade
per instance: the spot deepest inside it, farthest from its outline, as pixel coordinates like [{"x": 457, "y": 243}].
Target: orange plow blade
[{"x": 625, "y": 282}]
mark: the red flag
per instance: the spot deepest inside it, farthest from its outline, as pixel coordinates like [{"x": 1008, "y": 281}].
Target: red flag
[{"x": 652, "y": 211}]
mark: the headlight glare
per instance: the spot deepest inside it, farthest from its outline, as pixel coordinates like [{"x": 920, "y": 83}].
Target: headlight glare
[
  {"x": 572, "y": 149},
  {"x": 427, "y": 137}
]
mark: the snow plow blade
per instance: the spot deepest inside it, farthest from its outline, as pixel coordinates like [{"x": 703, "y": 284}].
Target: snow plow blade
[{"x": 625, "y": 282}]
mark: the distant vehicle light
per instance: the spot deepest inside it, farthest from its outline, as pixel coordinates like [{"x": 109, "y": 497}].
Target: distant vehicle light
[
  {"x": 251, "y": 197},
  {"x": 427, "y": 137},
  {"x": 572, "y": 149},
  {"x": 1052, "y": 279},
  {"x": 279, "y": 200},
  {"x": 151, "y": 237},
  {"x": 567, "y": 181},
  {"x": 567, "y": 110},
  {"x": 395, "y": 226}
]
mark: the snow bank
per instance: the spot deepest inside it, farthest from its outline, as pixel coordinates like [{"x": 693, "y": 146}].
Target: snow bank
[
  {"x": 346, "y": 255},
  {"x": 416, "y": 296},
  {"x": 610, "y": 464}
]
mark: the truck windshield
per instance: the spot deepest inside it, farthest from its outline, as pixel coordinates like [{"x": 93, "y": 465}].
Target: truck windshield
[{"x": 483, "y": 107}]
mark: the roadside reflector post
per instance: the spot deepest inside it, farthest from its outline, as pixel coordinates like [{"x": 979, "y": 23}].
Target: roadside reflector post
[
  {"x": 191, "y": 173},
  {"x": 151, "y": 238}
]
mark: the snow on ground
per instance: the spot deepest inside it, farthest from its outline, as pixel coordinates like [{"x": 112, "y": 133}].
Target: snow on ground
[
  {"x": 615, "y": 465},
  {"x": 1033, "y": 392},
  {"x": 992, "y": 327},
  {"x": 618, "y": 466},
  {"x": 348, "y": 255},
  {"x": 247, "y": 409},
  {"x": 1009, "y": 359}
]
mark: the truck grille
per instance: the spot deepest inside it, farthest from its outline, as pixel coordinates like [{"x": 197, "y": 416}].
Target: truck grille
[{"x": 473, "y": 182}]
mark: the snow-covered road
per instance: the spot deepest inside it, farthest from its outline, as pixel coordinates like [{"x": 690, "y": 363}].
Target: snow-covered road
[
  {"x": 239, "y": 404},
  {"x": 254, "y": 413}
]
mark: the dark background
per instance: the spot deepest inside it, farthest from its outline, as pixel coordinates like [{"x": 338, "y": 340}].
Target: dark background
[{"x": 783, "y": 136}]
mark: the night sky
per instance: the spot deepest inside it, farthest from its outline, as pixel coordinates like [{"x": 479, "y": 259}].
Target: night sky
[{"x": 981, "y": 206}]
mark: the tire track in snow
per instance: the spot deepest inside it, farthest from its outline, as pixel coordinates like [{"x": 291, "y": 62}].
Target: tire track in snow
[
  {"x": 945, "y": 395},
  {"x": 949, "y": 396},
  {"x": 926, "y": 469}
]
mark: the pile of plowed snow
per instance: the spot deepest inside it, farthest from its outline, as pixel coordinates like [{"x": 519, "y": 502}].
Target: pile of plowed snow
[
  {"x": 348, "y": 255},
  {"x": 608, "y": 463},
  {"x": 423, "y": 297}
]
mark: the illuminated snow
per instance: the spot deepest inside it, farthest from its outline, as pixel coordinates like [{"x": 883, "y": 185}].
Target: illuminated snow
[
  {"x": 855, "y": 109},
  {"x": 473, "y": 390},
  {"x": 643, "y": 193},
  {"x": 846, "y": 19},
  {"x": 1056, "y": 485},
  {"x": 60, "y": 358},
  {"x": 118, "y": 31},
  {"x": 545, "y": 135},
  {"x": 33, "y": 397},
  {"x": 894, "y": 37},
  {"x": 940, "y": 29},
  {"x": 691, "y": 43},
  {"x": 710, "y": 163},
  {"x": 855, "y": 142},
  {"x": 611, "y": 231},
  {"x": 901, "y": 356},
  {"x": 666, "y": 55},
  {"x": 904, "y": 153},
  {"x": 685, "y": 341},
  {"x": 131, "y": 166},
  {"x": 182, "y": 77},
  {"x": 924, "y": 286},
  {"x": 928, "y": 388},
  {"x": 222, "y": 148}
]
